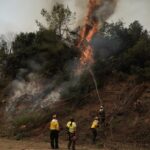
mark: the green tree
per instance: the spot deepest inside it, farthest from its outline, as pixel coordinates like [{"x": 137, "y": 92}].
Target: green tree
[
  {"x": 43, "y": 48},
  {"x": 135, "y": 31},
  {"x": 133, "y": 54},
  {"x": 3, "y": 49},
  {"x": 59, "y": 19},
  {"x": 3, "y": 57}
]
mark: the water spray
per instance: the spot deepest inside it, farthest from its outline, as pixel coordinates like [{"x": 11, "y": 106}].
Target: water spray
[
  {"x": 95, "y": 83},
  {"x": 98, "y": 12}
]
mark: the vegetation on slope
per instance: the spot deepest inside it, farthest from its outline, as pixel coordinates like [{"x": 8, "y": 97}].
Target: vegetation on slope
[{"x": 119, "y": 52}]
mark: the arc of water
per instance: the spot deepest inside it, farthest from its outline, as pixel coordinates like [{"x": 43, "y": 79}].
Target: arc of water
[{"x": 95, "y": 83}]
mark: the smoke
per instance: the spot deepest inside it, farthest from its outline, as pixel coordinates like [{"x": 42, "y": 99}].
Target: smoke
[
  {"x": 40, "y": 92},
  {"x": 35, "y": 92},
  {"x": 104, "y": 46},
  {"x": 106, "y": 9},
  {"x": 102, "y": 13},
  {"x": 80, "y": 7},
  {"x": 22, "y": 14}
]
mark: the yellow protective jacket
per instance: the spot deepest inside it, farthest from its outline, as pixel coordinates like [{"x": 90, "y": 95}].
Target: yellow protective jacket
[
  {"x": 95, "y": 124},
  {"x": 54, "y": 125},
  {"x": 71, "y": 127}
]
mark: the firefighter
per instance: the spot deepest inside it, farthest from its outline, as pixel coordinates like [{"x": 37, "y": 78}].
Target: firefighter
[
  {"x": 138, "y": 106},
  {"x": 54, "y": 132},
  {"x": 94, "y": 126},
  {"x": 102, "y": 115},
  {"x": 71, "y": 130}
]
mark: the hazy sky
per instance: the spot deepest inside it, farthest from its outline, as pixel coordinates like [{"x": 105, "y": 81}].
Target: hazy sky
[
  {"x": 130, "y": 10},
  {"x": 20, "y": 15}
]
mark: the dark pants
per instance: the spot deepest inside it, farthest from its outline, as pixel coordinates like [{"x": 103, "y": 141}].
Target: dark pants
[
  {"x": 72, "y": 141},
  {"x": 94, "y": 132},
  {"x": 54, "y": 139},
  {"x": 102, "y": 118},
  {"x": 102, "y": 121}
]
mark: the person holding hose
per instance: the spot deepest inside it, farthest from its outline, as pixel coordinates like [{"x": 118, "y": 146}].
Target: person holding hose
[
  {"x": 102, "y": 115},
  {"x": 71, "y": 130}
]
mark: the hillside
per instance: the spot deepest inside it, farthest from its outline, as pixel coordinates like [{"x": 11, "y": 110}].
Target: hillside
[
  {"x": 124, "y": 124},
  {"x": 59, "y": 70}
]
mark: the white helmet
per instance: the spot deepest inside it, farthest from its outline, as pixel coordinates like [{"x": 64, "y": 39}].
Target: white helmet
[{"x": 101, "y": 107}]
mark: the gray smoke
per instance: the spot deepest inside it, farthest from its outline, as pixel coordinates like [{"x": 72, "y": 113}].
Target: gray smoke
[
  {"x": 29, "y": 90},
  {"x": 104, "y": 46},
  {"x": 105, "y": 10},
  {"x": 38, "y": 92}
]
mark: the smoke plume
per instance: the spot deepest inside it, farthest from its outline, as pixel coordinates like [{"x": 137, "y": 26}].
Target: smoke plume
[
  {"x": 41, "y": 93},
  {"x": 106, "y": 9}
]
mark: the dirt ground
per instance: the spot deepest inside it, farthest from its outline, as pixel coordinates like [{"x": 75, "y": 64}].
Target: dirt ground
[
  {"x": 32, "y": 144},
  {"x": 7, "y": 144}
]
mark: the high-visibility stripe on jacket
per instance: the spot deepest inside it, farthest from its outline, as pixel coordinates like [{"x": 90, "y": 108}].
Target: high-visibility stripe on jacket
[
  {"x": 95, "y": 124},
  {"x": 54, "y": 125},
  {"x": 71, "y": 127}
]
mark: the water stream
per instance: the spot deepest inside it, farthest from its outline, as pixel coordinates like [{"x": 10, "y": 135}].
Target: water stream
[{"x": 95, "y": 83}]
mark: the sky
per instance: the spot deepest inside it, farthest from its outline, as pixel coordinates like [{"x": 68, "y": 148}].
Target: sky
[
  {"x": 131, "y": 10},
  {"x": 20, "y": 15}
]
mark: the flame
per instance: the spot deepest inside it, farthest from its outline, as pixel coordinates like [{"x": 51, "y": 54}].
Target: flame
[
  {"x": 87, "y": 56},
  {"x": 92, "y": 32},
  {"x": 88, "y": 30}
]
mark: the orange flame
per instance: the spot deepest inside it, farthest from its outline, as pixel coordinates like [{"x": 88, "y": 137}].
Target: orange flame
[{"x": 88, "y": 30}]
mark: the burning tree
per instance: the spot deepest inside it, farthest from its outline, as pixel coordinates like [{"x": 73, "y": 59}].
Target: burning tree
[{"x": 98, "y": 12}]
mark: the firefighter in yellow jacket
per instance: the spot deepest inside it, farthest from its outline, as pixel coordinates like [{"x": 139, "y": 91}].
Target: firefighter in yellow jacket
[
  {"x": 94, "y": 126},
  {"x": 54, "y": 132},
  {"x": 71, "y": 130}
]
